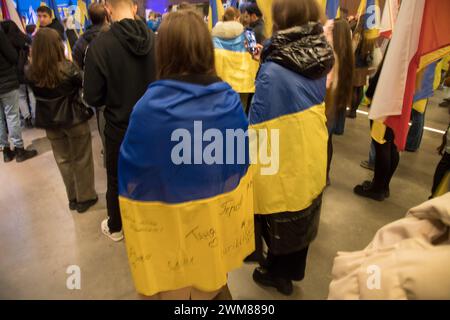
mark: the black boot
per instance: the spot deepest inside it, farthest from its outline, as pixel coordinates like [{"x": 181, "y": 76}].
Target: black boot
[
  {"x": 28, "y": 123},
  {"x": 23, "y": 155},
  {"x": 366, "y": 191},
  {"x": 8, "y": 154},
  {"x": 265, "y": 278}
]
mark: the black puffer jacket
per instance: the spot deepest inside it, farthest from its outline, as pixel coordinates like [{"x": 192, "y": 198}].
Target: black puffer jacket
[{"x": 303, "y": 50}]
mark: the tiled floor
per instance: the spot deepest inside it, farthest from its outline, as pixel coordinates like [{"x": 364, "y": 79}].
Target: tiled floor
[{"x": 40, "y": 237}]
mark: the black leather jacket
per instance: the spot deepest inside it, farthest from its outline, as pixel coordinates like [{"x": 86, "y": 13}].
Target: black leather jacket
[{"x": 51, "y": 103}]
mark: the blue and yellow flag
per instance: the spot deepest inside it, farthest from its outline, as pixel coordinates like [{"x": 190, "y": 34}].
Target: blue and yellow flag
[
  {"x": 234, "y": 64},
  {"x": 216, "y": 12},
  {"x": 332, "y": 8},
  {"x": 370, "y": 13},
  {"x": 185, "y": 199},
  {"x": 297, "y": 117}
]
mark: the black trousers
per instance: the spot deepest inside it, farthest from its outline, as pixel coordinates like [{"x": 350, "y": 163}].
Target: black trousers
[
  {"x": 441, "y": 170},
  {"x": 330, "y": 155},
  {"x": 357, "y": 96},
  {"x": 290, "y": 266},
  {"x": 112, "y": 148},
  {"x": 386, "y": 162}
]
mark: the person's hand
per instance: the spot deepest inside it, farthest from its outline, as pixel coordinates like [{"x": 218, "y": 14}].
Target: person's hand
[{"x": 257, "y": 54}]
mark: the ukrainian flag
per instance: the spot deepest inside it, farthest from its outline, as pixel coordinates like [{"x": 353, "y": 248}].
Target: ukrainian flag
[
  {"x": 234, "y": 64},
  {"x": 331, "y": 7},
  {"x": 185, "y": 224},
  {"x": 370, "y": 12},
  {"x": 216, "y": 12},
  {"x": 299, "y": 117}
]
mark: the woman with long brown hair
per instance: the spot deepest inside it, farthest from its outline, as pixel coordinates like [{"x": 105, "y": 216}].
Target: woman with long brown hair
[
  {"x": 364, "y": 61},
  {"x": 56, "y": 83},
  {"x": 186, "y": 210},
  {"x": 339, "y": 95}
]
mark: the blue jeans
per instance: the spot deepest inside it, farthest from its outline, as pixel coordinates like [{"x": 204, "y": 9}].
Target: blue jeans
[
  {"x": 27, "y": 101},
  {"x": 9, "y": 111},
  {"x": 415, "y": 131}
]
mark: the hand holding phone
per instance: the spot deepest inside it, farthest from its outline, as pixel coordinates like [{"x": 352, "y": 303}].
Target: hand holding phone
[{"x": 251, "y": 42}]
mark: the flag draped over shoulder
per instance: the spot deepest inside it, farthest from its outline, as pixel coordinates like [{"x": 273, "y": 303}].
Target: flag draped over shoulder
[
  {"x": 234, "y": 64},
  {"x": 420, "y": 38},
  {"x": 299, "y": 157},
  {"x": 216, "y": 12},
  {"x": 266, "y": 8},
  {"x": 186, "y": 223},
  {"x": 9, "y": 12}
]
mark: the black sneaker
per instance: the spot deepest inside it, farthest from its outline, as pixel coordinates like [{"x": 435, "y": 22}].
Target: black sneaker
[
  {"x": 264, "y": 278},
  {"x": 367, "y": 192},
  {"x": 23, "y": 155},
  {"x": 73, "y": 205},
  {"x": 445, "y": 103},
  {"x": 82, "y": 207},
  {"x": 8, "y": 154}
]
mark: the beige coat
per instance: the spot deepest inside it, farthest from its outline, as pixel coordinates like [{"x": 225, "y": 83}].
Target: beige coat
[{"x": 407, "y": 259}]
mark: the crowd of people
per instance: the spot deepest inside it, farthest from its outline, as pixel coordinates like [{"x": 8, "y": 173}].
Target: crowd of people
[{"x": 303, "y": 80}]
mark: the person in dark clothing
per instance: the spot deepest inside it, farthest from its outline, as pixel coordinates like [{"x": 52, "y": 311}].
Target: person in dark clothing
[
  {"x": 98, "y": 16},
  {"x": 386, "y": 163},
  {"x": 255, "y": 18},
  {"x": 290, "y": 96},
  {"x": 119, "y": 66},
  {"x": 443, "y": 168},
  {"x": 21, "y": 43},
  {"x": 56, "y": 83},
  {"x": 9, "y": 104},
  {"x": 44, "y": 14}
]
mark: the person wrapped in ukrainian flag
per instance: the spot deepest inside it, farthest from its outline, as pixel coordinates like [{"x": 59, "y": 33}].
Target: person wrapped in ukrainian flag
[
  {"x": 288, "y": 115},
  {"x": 185, "y": 184},
  {"x": 234, "y": 64}
]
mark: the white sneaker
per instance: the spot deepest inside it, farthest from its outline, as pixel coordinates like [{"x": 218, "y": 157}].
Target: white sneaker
[{"x": 115, "y": 236}]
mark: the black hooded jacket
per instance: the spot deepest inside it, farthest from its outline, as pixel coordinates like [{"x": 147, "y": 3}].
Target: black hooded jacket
[
  {"x": 119, "y": 66},
  {"x": 80, "y": 47},
  {"x": 9, "y": 80}
]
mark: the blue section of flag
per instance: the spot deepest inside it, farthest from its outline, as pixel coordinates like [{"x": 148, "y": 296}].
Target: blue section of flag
[
  {"x": 332, "y": 8},
  {"x": 426, "y": 90},
  {"x": 236, "y": 45},
  {"x": 307, "y": 94},
  {"x": 147, "y": 170},
  {"x": 52, "y": 5},
  {"x": 214, "y": 12}
]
